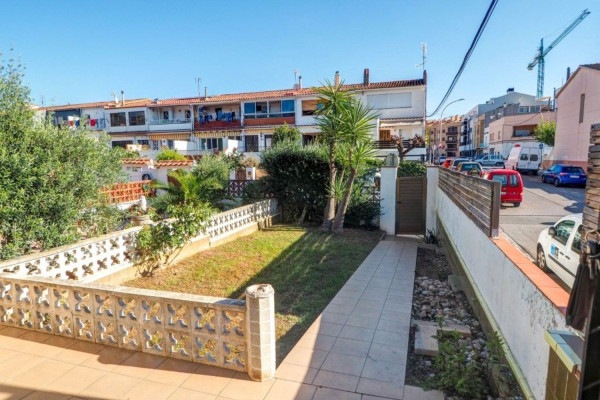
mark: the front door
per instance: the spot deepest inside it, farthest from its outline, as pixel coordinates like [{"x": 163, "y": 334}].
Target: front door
[{"x": 385, "y": 135}]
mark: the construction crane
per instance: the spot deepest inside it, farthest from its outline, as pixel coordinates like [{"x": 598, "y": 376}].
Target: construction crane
[{"x": 539, "y": 58}]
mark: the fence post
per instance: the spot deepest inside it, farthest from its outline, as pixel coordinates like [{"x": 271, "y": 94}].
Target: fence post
[
  {"x": 260, "y": 323},
  {"x": 387, "y": 221},
  {"x": 495, "y": 212}
]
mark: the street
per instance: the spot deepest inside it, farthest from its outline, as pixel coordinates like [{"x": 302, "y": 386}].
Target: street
[{"x": 543, "y": 204}]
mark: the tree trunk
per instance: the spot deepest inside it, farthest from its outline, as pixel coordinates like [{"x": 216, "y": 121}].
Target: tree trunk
[
  {"x": 329, "y": 214},
  {"x": 338, "y": 222}
]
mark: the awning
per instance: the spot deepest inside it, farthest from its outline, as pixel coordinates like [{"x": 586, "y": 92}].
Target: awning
[
  {"x": 256, "y": 131},
  {"x": 217, "y": 134},
  {"x": 169, "y": 136}
]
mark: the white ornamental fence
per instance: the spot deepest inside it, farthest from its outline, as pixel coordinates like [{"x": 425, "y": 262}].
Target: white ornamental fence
[{"x": 96, "y": 258}]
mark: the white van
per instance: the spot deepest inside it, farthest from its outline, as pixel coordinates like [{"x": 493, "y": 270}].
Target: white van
[{"x": 525, "y": 158}]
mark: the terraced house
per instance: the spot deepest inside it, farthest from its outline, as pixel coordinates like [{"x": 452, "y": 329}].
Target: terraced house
[{"x": 246, "y": 121}]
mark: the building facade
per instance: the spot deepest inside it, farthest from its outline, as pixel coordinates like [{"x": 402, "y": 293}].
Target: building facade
[
  {"x": 246, "y": 121},
  {"x": 446, "y": 139},
  {"x": 578, "y": 107},
  {"x": 507, "y": 131}
]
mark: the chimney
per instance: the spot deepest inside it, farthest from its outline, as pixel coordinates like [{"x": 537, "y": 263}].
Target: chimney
[
  {"x": 510, "y": 89},
  {"x": 366, "y": 79},
  {"x": 205, "y": 92},
  {"x": 122, "y": 98},
  {"x": 568, "y": 72},
  {"x": 336, "y": 78},
  {"x": 300, "y": 82}
]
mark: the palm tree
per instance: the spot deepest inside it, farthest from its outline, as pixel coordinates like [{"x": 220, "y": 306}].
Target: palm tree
[
  {"x": 357, "y": 123},
  {"x": 335, "y": 99}
]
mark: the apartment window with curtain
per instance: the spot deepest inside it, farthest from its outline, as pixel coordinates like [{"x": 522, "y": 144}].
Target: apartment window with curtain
[
  {"x": 581, "y": 107},
  {"x": 118, "y": 119},
  {"x": 137, "y": 118}
]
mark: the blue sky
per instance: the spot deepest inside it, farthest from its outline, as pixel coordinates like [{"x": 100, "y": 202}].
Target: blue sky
[{"x": 78, "y": 51}]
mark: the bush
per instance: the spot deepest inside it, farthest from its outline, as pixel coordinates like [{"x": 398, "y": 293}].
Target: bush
[
  {"x": 48, "y": 176},
  {"x": 411, "y": 168},
  {"x": 169, "y": 154},
  {"x": 298, "y": 177},
  {"x": 286, "y": 133}
]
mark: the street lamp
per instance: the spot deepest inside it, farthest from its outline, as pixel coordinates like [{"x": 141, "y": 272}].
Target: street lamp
[{"x": 441, "y": 118}]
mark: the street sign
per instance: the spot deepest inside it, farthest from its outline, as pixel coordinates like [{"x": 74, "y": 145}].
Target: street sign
[{"x": 541, "y": 146}]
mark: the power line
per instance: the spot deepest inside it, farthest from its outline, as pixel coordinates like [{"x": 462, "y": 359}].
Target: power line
[{"x": 486, "y": 18}]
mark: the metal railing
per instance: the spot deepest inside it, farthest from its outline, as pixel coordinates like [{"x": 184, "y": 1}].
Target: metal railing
[{"x": 169, "y": 121}]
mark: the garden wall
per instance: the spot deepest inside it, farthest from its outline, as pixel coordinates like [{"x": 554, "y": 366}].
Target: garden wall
[{"x": 518, "y": 300}]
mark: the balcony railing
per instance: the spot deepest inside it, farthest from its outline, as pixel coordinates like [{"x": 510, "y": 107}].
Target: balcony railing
[
  {"x": 384, "y": 144},
  {"x": 169, "y": 121},
  {"x": 211, "y": 125},
  {"x": 269, "y": 121}
]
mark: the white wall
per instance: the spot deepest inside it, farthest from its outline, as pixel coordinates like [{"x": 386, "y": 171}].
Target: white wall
[
  {"x": 521, "y": 311},
  {"x": 126, "y": 128}
]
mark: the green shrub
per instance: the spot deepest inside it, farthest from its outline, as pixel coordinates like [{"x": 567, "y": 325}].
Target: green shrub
[
  {"x": 411, "y": 168},
  {"x": 169, "y": 154},
  {"x": 286, "y": 133}
]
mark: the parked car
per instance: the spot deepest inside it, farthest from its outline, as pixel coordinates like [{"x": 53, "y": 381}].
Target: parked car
[
  {"x": 560, "y": 174},
  {"x": 559, "y": 247},
  {"x": 470, "y": 168},
  {"x": 447, "y": 163},
  {"x": 525, "y": 158},
  {"x": 457, "y": 161},
  {"x": 491, "y": 160},
  {"x": 512, "y": 185},
  {"x": 441, "y": 160}
]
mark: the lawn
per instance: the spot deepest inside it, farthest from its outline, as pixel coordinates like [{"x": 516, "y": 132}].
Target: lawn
[{"x": 305, "y": 266}]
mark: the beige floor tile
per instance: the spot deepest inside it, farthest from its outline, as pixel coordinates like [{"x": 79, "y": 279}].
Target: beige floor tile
[
  {"x": 287, "y": 390},
  {"x": 316, "y": 342},
  {"x": 335, "y": 380},
  {"x": 43, "y": 373},
  {"x": 325, "y": 328},
  {"x": 139, "y": 365},
  {"x": 41, "y": 344},
  {"x": 383, "y": 371},
  {"x": 389, "y": 353},
  {"x": 41, "y": 395},
  {"x": 108, "y": 359},
  {"x": 79, "y": 353},
  {"x": 112, "y": 386},
  {"x": 334, "y": 394},
  {"x": 306, "y": 357},
  {"x": 343, "y": 364},
  {"x": 150, "y": 390},
  {"x": 379, "y": 388},
  {"x": 296, "y": 373},
  {"x": 9, "y": 331},
  {"x": 18, "y": 364},
  {"x": 172, "y": 372},
  {"x": 186, "y": 394},
  {"x": 76, "y": 379},
  {"x": 356, "y": 333},
  {"x": 350, "y": 347},
  {"x": 208, "y": 379},
  {"x": 242, "y": 388},
  {"x": 12, "y": 392}
]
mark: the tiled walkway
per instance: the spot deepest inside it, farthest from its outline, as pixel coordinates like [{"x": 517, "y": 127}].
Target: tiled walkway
[{"x": 356, "y": 350}]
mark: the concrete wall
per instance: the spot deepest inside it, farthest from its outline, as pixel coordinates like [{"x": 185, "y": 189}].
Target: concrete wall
[
  {"x": 572, "y": 137},
  {"x": 517, "y": 306}
]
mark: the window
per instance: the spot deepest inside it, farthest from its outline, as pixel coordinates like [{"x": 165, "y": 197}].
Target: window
[
  {"x": 269, "y": 109},
  {"x": 581, "y": 107},
  {"x": 533, "y": 157},
  {"x": 563, "y": 231},
  {"x": 500, "y": 178},
  {"x": 268, "y": 141},
  {"x": 211, "y": 144},
  {"x": 170, "y": 144},
  {"x": 137, "y": 118},
  {"x": 576, "y": 245},
  {"x": 145, "y": 144},
  {"x": 521, "y": 132},
  {"x": 156, "y": 145},
  {"x": 188, "y": 114},
  {"x": 309, "y": 107},
  {"x": 117, "y": 119},
  {"x": 251, "y": 143},
  {"x": 524, "y": 157},
  {"x": 384, "y": 134},
  {"x": 573, "y": 170},
  {"x": 165, "y": 114},
  {"x": 121, "y": 143},
  {"x": 513, "y": 181},
  {"x": 391, "y": 100}
]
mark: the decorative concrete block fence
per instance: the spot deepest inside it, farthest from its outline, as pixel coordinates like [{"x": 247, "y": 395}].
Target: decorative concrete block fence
[{"x": 52, "y": 292}]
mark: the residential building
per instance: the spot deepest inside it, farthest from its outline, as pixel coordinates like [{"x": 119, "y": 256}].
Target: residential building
[
  {"x": 578, "y": 107},
  {"x": 447, "y": 138},
  {"x": 246, "y": 121},
  {"x": 509, "y": 130},
  {"x": 475, "y": 134}
]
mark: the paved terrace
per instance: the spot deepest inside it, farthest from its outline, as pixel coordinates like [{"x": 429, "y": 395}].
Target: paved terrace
[{"x": 356, "y": 350}]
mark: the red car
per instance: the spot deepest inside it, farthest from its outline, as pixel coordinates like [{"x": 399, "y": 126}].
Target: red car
[
  {"x": 448, "y": 162},
  {"x": 512, "y": 185}
]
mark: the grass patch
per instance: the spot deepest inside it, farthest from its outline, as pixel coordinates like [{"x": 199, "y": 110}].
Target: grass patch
[{"x": 305, "y": 266}]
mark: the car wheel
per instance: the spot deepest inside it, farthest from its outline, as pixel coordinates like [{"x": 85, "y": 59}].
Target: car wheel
[
  {"x": 541, "y": 258},
  {"x": 543, "y": 179},
  {"x": 516, "y": 204},
  {"x": 556, "y": 182}
]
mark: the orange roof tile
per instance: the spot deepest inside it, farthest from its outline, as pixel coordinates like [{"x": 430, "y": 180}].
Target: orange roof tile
[
  {"x": 78, "y": 105},
  {"x": 128, "y": 104},
  {"x": 173, "y": 163},
  {"x": 136, "y": 161}
]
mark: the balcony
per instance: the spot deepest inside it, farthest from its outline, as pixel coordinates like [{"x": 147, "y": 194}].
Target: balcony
[
  {"x": 269, "y": 119},
  {"x": 384, "y": 144},
  {"x": 211, "y": 125},
  {"x": 169, "y": 124}
]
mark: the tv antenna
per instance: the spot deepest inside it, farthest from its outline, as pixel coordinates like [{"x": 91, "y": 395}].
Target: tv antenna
[
  {"x": 296, "y": 72},
  {"x": 424, "y": 56},
  {"x": 198, "y": 83}
]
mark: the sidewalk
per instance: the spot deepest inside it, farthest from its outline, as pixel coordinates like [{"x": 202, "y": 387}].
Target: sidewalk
[{"x": 355, "y": 350}]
